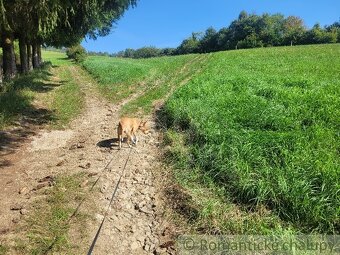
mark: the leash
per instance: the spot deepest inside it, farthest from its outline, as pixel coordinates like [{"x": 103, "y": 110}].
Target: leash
[
  {"x": 108, "y": 207},
  {"x": 93, "y": 185},
  {"x": 82, "y": 201}
]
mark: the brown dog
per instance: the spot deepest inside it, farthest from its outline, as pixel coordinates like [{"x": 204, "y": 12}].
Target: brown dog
[{"x": 129, "y": 127}]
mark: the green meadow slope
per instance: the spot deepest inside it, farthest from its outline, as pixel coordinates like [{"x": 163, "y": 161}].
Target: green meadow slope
[
  {"x": 263, "y": 125},
  {"x": 254, "y": 134},
  {"x": 152, "y": 79}
]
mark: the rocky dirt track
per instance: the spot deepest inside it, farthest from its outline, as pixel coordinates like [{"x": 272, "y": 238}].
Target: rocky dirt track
[{"x": 134, "y": 223}]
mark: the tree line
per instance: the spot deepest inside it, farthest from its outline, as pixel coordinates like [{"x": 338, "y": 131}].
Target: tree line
[
  {"x": 247, "y": 31},
  {"x": 56, "y": 23}
]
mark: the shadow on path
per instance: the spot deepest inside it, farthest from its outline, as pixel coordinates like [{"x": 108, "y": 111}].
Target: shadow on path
[{"x": 18, "y": 110}]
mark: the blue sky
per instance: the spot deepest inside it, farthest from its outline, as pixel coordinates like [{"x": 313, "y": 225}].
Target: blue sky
[{"x": 165, "y": 23}]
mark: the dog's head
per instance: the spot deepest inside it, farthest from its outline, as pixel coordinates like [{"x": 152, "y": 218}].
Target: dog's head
[{"x": 144, "y": 127}]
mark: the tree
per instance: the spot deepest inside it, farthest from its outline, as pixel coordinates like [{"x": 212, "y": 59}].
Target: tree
[
  {"x": 245, "y": 26},
  {"x": 189, "y": 45},
  {"x": 146, "y": 52},
  {"x": 335, "y": 28},
  {"x": 54, "y": 23},
  {"x": 251, "y": 41},
  {"x": 223, "y": 39},
  {"x": 293, "y": 30},
  {"x": 319, "y": 35},
  {"x": 7, "y": 39},
  {"x": 250, "y": 31},
  {"x": 271, "y": 29},
  {"x": 129, "y": 53},
  {"x": 243, "y": 15},
  {"x": 167, "y": 51},
  {"x": 77, "y": 53},
  {"x": 208, "y": 43}
]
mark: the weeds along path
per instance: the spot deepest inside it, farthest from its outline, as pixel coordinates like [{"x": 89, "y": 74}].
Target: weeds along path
[{"x": 80, "y": 153}]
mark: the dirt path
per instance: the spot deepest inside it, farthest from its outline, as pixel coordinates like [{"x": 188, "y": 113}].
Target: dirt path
[{"x": 134, "y": 224}]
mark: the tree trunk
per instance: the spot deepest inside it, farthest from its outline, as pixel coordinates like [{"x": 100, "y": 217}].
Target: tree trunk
[
  {"x": 1, "y": 76},
  {"x": 29, "y": 57},
  {"x": 39, "y": 54},
  {"x": 35, "y": 56},
  {"x": 23, "y": 56},
  {"x": 9, "y": 66}
]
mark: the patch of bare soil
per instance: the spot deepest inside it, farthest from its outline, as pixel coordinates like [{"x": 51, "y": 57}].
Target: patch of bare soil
[{"x": 135, "y": 222}]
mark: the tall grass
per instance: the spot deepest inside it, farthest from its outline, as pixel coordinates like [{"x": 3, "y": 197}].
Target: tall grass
[{"x": 264, "y": 125}]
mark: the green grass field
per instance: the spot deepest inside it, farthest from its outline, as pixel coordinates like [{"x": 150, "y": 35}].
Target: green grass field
[
  {"x": 152, "y": 78},
  {"x": 253, "y": 133},
  {"x": 262, "y": 127}
]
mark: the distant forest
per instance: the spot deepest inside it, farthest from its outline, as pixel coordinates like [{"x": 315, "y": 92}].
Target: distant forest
[{"x": 247, "y": 31}]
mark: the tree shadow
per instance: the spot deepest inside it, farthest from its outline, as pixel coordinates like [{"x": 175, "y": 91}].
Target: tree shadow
[
  {"x": 5, "y": 163},
  {"x": 162, "y": 121},
  {"x": 12, "y": 140},
  {"x": 37, "y": 81},
  {"x": 28, "y": 125},
  {"x": 17, "y": 109},
  {"x": 181, "y": 202}
]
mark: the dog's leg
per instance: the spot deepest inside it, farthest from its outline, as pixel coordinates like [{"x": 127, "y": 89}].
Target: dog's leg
[
  {"x": 129, "y": 140},
  {"x": 120, "y": 135},
  {"x": 120, "y": 141},
  {"x": 134, "y": 137}
]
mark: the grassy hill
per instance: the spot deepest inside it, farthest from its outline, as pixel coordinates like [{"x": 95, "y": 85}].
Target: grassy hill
[
  {"x": 153, "y": 79},
  {"x": 251, "y": 137},
  {"x": 250, "y": 131},
  {"x": 264, "y": 125}
]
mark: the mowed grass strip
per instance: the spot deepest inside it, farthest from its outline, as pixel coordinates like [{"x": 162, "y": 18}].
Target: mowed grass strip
[
  {"x": 262, "y": 126},
  {"x": 68, "y": 99}
]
